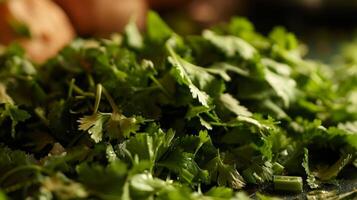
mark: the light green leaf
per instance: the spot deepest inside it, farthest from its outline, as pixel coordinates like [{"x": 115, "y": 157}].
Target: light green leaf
[
  {"x": 284, "y": 87},
  {"x": 157, "y": 29},
  {"x": 231, "y": 45},
  {"x": 184, "y": 71},
  {"x": 311, "y": 180},
  {"x": 119, "y": 126},
  {"x": 184, "y": 165},
  {"x": 225, "y": 175},
  {"x": 4, "y": 97},
  {"x": 94, "y": 125},
  {"x": 133, "y": 36},
  {"x": 233, "y": 105},
  {"x": 149, "y": 147},
  {"x": 145, "y": 186}
]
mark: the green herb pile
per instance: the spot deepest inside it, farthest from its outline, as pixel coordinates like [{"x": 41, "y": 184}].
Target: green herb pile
[{"x": 229, "y": 114}]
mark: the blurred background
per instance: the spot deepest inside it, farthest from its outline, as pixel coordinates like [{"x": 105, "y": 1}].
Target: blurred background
[{"x": 43, "y": 27}]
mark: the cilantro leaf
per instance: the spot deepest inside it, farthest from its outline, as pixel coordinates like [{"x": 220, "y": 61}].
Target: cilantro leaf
[
  {"x": 4, "y": 97},
  {"x": 15, "y": 114},
  {"x": 157, "y": 29},
  {"x": 133, "y": 36},
  {"x": 94, "y": 125},
  {"x": 144, "y": 186},
  {"x": 220, "y": 192},
  {"x": 234, "y": 106},
  {"x": 148, "y": 147},
  {"x": 181, "y": 71},
  {"x": 260, "y": 171},
  {"x": 231, "y": 45},
  {"x": 184, "y": 165},
  {"x": 283, "y": 86},
  {"x": 225, "y": 175},
  {"x": 311, "y": 180},
  {"x": 118, "y": 126},
  {"x": 104, "y": 182}
]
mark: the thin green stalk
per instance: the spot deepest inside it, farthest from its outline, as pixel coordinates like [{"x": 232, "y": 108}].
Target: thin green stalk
[
  {"x": 90, "y": 81},
  {"x": 98, "y": 97},
  {"x": 160, "y": 86},
  {"x": 70, "y": 90},
  {"x": 79, "y": 91},
  {"x": 111, "y": 101}
]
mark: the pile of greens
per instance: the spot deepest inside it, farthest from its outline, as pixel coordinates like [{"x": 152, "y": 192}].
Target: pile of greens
[{"x": 229, "y": 114}]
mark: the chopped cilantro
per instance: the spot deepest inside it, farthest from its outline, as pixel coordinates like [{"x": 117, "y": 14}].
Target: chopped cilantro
[{"x": 229, "y": 114}]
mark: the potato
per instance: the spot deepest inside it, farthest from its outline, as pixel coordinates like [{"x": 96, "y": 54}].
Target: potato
[
  {"x": 40, "y": 26},
  {"x": 210, "y": 12},
  {"x": 103, "y": 17}
]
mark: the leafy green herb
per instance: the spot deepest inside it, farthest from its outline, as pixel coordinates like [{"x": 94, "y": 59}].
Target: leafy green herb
[{"x": 228, "y": 114}]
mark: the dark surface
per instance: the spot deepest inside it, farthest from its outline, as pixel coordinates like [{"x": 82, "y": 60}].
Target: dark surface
[
  {"x": 299, "y": 16},
  {"x": 322, "y": 25}
]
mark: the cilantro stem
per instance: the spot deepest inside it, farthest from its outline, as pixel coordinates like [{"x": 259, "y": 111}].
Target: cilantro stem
[
  {"x": 81, "y": 92},
  {"x": 98, "y": 97},
  {"x": 219, "y": 124},
  {"x": 111, "y": 101},
  {"x": 90, "y": 81},
  {"x": 161, "y": 87},
  {"x": 288, "y": 183},
  {"x": 22, "y": 168},
  {"x": 40, "y": 114},
  {"x": 81, "y": 97},
  {"x": 70, "y": 90}
]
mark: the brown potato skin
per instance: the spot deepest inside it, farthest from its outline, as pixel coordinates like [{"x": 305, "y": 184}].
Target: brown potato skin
[
  {"x": 49, "y": 26},
  {"x": 103, "y": 17}
]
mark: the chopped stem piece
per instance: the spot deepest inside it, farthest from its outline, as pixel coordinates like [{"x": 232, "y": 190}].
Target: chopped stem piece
[{"x": 288, "y": 183}]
